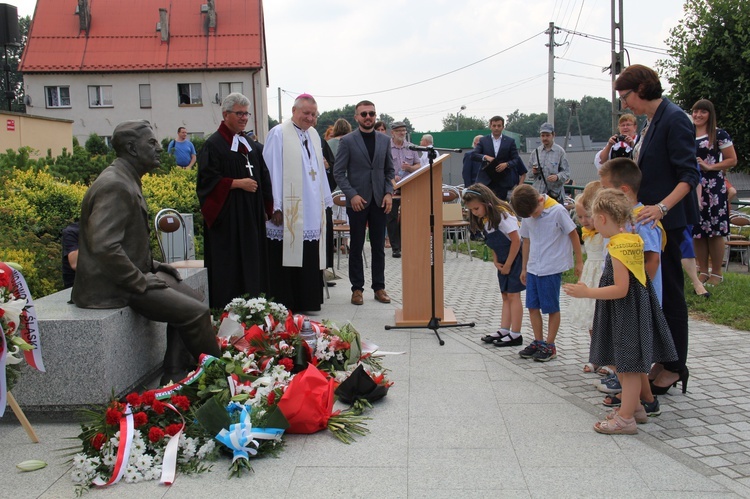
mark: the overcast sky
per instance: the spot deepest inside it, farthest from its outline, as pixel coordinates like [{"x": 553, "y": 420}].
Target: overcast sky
[{"x": 343, "y": 51}]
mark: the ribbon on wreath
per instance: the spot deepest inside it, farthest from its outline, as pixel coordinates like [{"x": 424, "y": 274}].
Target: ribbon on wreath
[
  {"x": 239, "y": 436},
  {"x": 167, "y": 391},
  {"x": 30, "y": 333},
  {"x": 3, "y": 354},
  {"x": 127, "y": 430},
  {"x": 169, "y": 463}
]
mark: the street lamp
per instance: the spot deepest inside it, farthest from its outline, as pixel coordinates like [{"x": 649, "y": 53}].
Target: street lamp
[{"x": 458, "y": 114}]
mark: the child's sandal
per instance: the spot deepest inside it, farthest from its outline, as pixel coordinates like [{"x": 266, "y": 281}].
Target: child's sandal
[
  {"x": 612, "y": 401},
  {"x": 590, "y": 368},
  {"x": 605, "y": 371},
  {"x": 616, "y": 426}
]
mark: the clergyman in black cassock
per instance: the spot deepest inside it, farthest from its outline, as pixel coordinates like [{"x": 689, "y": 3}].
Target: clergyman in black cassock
[{"x": 234, "y": 189}]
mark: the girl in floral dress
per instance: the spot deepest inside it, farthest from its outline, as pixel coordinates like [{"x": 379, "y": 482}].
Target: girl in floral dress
[
  {"x": 715, "y": 154},
  {"x": 630, "y": 331},
  {"x": 498, "y": 223},
  {"x": 582, "y": 311}
]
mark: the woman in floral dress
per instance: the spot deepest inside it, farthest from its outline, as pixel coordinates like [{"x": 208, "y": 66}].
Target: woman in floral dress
[{"x": 715, "y": 154}]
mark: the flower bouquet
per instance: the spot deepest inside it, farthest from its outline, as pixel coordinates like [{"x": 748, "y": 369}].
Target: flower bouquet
[
  {"x": 267, "y": 381},
  {"x": 142, "y": 438}
]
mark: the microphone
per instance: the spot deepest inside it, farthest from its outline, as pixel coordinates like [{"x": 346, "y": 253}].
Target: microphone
[{"x": 431, "y": 148}]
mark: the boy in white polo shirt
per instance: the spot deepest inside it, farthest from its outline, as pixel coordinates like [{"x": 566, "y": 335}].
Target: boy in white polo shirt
[{"x": 550, "y": 240}]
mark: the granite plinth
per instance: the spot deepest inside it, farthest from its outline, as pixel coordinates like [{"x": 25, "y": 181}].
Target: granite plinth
[{"x": 90, "y": 354}]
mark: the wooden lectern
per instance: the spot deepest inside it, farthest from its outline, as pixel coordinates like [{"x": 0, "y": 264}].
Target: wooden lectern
[{"x": 415, "y": 248}]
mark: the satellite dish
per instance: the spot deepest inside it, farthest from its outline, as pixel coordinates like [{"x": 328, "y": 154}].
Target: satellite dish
[{"x": 27, "y": 100}]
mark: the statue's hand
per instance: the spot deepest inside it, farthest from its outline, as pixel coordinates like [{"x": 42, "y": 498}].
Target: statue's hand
[
  {"x": 168, "y": 269},
  {"x": 155, "y": 282}
]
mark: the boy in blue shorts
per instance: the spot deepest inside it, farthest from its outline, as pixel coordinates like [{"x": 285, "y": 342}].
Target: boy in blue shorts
[{"x": 550, "y": 240}]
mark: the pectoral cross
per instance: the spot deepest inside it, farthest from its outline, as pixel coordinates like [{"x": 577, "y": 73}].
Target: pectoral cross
[
  {"x": 312, "y": 173},
  {"x": 248, "y": 165}
]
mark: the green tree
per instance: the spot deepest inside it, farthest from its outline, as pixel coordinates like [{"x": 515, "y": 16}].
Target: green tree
[
  {"x": 96, "y": 146},
  {"x": 271, "y": 122},
  {"x": 710, "y": 57},
  {"x": 464, "y": 122},
  {"x": 525, "y": 124},
  {"x": 16, "y": 78},
  {"x": 328, "y": 118}
]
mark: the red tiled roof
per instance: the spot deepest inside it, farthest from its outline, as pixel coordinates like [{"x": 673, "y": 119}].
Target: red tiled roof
[{"x": 123, "y": 37}]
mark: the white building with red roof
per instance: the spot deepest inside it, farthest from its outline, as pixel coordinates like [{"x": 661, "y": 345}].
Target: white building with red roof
[{"x": 101, "y": 62}]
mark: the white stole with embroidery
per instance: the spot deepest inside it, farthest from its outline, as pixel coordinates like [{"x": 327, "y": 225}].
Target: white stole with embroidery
[{"x": 294, "y": 192}]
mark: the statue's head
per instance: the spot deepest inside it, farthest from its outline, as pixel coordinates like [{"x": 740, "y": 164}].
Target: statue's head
[{"x": 136, "y": 142}]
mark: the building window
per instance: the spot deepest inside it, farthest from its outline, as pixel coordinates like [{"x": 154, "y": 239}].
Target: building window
[
  {"x": 100, "y": 96},
  {"x": 189, "y": 94},
  {"x": 144, "y": 92},
  {"x": 228, "y": 88},
  {"x": 57, "y": 96}
]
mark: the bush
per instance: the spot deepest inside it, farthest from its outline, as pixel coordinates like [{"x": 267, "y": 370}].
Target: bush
[
  {"x": 38, "y": 198},
  {"x": 96, "y": 146}
]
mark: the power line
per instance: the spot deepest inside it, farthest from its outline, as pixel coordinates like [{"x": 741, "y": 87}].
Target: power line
[
  {"x": 645, "y": 48},
  {"x": 580, "y": 62},
  {"x": 502, "y": 88},
  {"x": 431, "y": 78},
  {"x": 574, "y": 27},
  {"x": 584, "y": 77}
]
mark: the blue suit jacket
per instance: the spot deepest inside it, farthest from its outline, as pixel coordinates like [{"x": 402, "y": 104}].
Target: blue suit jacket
[
  {"x": 667, "y": 157},
  {"x": 506, "y": 153},
  {"x": 471, "y": 168}
]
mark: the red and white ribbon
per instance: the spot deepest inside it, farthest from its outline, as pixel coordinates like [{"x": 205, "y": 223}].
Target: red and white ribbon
[
  {"x": 3, "y": 381},
  {"x": 31, "y": 332},
  {"x": 123, "y": 449},
  {"x": 169, "y": 463}
]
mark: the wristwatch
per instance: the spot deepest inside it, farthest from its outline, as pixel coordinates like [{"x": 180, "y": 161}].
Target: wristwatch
[{"x": 663, "y": 208}]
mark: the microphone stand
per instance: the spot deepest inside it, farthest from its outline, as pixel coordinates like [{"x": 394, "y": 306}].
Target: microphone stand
[{"x": 434, "y": 323}]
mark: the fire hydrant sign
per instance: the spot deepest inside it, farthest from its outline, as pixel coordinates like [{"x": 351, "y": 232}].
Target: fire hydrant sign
[{"x": 11, "y": 125}]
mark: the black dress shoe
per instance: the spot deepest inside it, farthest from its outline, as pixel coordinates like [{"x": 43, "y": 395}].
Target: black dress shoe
[
  {"x": 514, "y": 342},
  {"x": 396, "y": 254},
  {"x": 330, "y": 284}
]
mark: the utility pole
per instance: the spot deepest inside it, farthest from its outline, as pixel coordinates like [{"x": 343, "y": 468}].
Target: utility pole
[
  {"x": 551, "y": 75},
  {"x": 617, "y": 57},
  {"x": 279, "y": 104},
  {"x": 573, "y": 112}
]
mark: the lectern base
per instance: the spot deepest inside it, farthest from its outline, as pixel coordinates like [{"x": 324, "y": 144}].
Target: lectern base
[{"x": 448, "y": 318}]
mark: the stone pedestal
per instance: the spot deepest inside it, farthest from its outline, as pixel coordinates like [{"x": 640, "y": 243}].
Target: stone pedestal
[{"x": 91, "y": 354}]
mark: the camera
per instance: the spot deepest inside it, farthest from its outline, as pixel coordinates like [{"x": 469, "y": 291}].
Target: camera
[{"x": 620, "y": 138}]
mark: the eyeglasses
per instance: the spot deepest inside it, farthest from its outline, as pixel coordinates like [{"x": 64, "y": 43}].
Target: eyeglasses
[
  {"x": 624, "y": 97},
  {"x": 365, "y": 114},
  {"x": 240, "y": 114}
]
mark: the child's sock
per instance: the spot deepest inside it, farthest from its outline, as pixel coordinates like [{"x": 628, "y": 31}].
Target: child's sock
[
  {"x": 513, "y": 334},
  {"x": 504, "y": 331}
]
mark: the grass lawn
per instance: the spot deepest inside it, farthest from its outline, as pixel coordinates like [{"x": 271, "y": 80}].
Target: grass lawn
[{"x": 728, "y": 305}]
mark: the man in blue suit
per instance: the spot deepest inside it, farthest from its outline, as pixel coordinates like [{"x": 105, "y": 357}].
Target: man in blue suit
[
  {"x": 502, "y": 167},
  {"x": 364, "y": 170}
]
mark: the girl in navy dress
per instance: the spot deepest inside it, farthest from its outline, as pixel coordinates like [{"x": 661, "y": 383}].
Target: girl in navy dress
[{"x": 498, "y": 223}]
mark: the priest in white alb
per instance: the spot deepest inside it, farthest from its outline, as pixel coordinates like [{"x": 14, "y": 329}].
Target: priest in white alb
[{"x": 296, "y": 230}]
